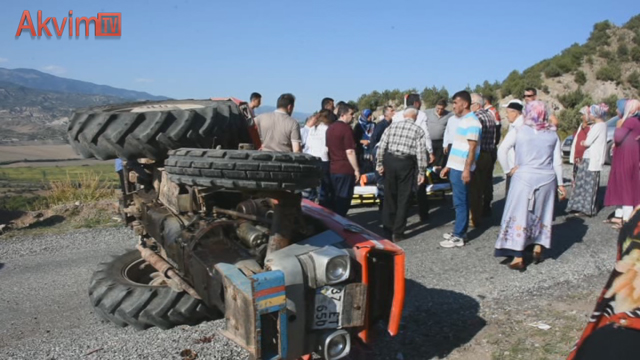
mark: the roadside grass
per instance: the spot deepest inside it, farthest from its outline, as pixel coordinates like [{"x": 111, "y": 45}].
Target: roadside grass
[
  {"x": 87, "y": 187},
  {"x": 58, "y": 199}
]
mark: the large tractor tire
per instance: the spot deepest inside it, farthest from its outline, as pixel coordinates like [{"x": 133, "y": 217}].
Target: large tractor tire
[
  {"x": 120, "y": 294},
  {"x": 150, "y": 129},
  {"x": 244, "y": 169}
]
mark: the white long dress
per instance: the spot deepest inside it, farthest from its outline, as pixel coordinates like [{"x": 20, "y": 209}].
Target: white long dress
[{"x": 528, "y": 212}]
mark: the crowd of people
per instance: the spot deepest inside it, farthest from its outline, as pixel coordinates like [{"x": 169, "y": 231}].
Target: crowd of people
[{"x": 463, "y": 147}]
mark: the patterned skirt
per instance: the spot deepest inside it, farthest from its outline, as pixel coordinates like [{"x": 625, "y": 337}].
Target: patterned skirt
[{"x": 585, "y": 191}]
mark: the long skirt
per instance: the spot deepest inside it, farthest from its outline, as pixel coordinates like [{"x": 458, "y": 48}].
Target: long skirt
[
  {"x": 528, "y": 213},
  {"x": 585, "y": 193}
]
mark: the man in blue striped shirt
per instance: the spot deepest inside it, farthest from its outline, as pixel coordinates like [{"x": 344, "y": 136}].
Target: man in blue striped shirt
[{"x": 461, "y": 164}]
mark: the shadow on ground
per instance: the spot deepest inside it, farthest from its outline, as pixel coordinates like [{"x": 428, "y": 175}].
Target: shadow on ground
[
  {"x": 1, "y": 266},
  {"x": 565, "y": 235},
  {"x": 440, "y": 213},
  {"x": 47, "y": 222},
  {"x": 435, "y": 322}
]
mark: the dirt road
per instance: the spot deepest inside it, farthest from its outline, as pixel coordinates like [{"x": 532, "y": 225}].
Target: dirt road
[{"x": 461, "y": 303}]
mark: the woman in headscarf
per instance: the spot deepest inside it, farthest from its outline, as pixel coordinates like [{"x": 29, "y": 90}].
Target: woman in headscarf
[
  {"x": 623, "y": 188},
  {"x": 587, "y": 178},
  {"x": 577, "y": 149},
  {"x": 362, "y": 134},
  {"x": 613, "y": 330},
  {"x": 537, "y": 174}
]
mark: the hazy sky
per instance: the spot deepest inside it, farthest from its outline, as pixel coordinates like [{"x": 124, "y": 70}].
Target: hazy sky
[{"x": 313, "y": 49}]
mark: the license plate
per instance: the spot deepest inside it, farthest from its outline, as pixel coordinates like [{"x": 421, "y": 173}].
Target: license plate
[{"x": 328, "y": 307}]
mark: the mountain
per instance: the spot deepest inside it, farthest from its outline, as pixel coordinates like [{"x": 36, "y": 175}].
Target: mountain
[
  {"x": 603, "y": 69},
  {"x": 41, "y": 81},
  {"x": 28, "y": 114}
]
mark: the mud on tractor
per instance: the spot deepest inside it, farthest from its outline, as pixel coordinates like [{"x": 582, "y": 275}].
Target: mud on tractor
[{"x": 222, "y": 232}]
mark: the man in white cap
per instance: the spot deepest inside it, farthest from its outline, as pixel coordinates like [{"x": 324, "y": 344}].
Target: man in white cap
[
  {"x": 514, "y": 115},
  {"x": 413, "y": 101}
]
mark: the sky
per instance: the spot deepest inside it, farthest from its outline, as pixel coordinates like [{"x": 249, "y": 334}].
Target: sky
[{"x": 341, "y": 49}]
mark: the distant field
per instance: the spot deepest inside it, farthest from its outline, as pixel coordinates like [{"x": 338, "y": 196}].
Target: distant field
[
  {"x": 43, "y": 155},
  {"x": 37, "y": 152}
]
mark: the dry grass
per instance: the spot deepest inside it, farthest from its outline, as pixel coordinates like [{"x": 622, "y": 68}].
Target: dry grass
[{"x": 86, "y": 187}]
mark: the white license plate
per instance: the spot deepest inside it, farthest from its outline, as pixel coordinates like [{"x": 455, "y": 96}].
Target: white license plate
[{"x": 328, "y": 307}]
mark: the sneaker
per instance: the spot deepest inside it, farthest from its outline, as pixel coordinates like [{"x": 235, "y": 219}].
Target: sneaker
[
  {"x": 454, "y": 241},
  {"x": 447, "y": 236}
]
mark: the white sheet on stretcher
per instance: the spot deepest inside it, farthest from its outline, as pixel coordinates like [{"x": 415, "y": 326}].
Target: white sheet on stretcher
[
  {"x": 373, "y": 190},
  {"x": 365, "y": 190}
]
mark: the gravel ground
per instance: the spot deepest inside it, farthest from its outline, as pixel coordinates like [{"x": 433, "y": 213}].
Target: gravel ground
[{"x": 46, "y": 312}]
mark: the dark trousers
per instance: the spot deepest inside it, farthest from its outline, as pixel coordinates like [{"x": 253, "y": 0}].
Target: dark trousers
[
  {"x": 423, "y": 201},
  {"x": 325, "y": 186},
  {"x": 342, "y": 193},
  {"x": 438, "y": 152},
  {"x": 488, "y": 186},
  {"x": 477, "y": 187},
  {"x": 399, "y": 174}
]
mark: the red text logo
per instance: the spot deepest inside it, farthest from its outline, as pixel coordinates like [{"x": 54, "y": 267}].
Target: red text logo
[{"x": 105, "y": 24}]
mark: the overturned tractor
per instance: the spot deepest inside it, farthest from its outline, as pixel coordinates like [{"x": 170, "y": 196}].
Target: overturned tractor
[{"x": 222, "y": 231}]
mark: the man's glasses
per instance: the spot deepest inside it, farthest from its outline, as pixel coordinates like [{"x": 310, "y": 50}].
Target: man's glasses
[{"x": 528, "y": 95}]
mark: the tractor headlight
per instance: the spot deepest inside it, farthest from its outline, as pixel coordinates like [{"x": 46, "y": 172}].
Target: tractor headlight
[
  {"x": 326, "y": 266},
  {"x": 337, "y": 269},
  {"x": 335, "y": 345}
]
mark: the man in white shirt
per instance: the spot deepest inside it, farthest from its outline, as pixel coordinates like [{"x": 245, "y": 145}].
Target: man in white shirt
[
  {"x": 514, "y": 115},
  {"x": 413, "y": 100}
]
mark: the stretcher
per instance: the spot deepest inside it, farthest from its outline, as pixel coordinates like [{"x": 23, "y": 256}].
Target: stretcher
[{"x": 368, "y": 192}]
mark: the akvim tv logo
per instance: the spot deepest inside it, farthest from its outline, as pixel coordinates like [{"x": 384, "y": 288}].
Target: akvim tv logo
[{"x": 105, "y": 24}]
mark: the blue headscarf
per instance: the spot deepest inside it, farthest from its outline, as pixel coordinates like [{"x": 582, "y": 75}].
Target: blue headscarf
[
  {"x": 367, "y": 126},
  {"x": 621, "y": 104}
]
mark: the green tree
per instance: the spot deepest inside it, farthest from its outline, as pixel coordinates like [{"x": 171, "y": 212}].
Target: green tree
[
  {"x": 431, "y": 95},
  {"x": 611, "y": 101},
  {"x": 590, "y": 60},
  {"x": 635, "y": 54},
  {"x": 633, "y": 24},
  {"x": 553, "y": 71},
  {"x": 569, "y": 120},
  {"x": 606, "y": 54},
  {"x": 609, "y": 72},
  {"x": 599, "y": 36},
  {"x": 572, "y": 99},
  {"x": 580, "y": 77},
  {"x": 634, "y": 79},
  {"x": 623, "y": 52}
]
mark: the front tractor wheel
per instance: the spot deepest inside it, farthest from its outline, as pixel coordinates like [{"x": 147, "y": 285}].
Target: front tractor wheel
[{"x": 127, "y": 291}]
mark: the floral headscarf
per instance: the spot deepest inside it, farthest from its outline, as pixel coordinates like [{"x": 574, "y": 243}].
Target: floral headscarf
[
  {"x": 631, "y": 109},
  {"x": 535, "y": 116},
  {"x": 599, "y": 111}
]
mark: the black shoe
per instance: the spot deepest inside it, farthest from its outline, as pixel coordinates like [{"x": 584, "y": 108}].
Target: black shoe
[
  {"x": 397, "y": 237},
  {"x": 424, "y": 218}
]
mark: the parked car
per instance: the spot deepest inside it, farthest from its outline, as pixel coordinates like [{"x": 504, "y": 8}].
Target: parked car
[{"x": 611, "y": 129}]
